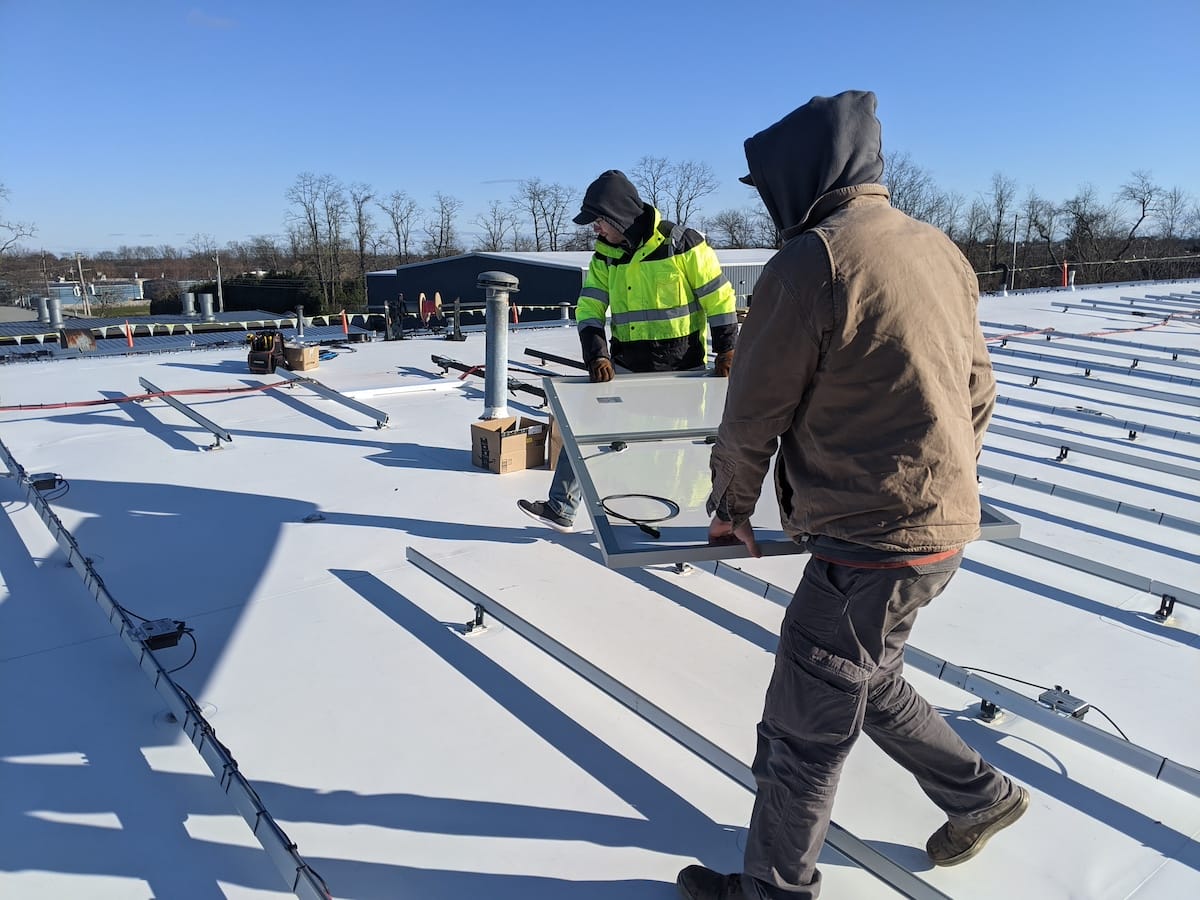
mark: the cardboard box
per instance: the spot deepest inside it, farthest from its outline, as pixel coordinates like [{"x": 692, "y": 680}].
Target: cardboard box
[
  {"x": 300, "y": 359},
  {"x": 509, "y": 444}
]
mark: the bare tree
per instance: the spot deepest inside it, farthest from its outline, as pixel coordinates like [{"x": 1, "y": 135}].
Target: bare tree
[
  {"x": 336, "y": 211},
  {"x": 914, "y": 192},
  {"x": 1191, "y": 221},
  {"x": 730, "y": 229},
  {"x": 676, "y": 189},
  {"x": 1171, "y": 213},
  {"x": 1143, "y": 195},
  {"x": 1000, "y": 201},
  {"x": 265, "y": 252},
  {"x": 547, "y": 209},
  {"x": 975, "y": 226},
  {"x": 766, "y": 232},
  {"x": 692, "y": 182},
  {"x": 11, "y": 233},
  {"x": 306, "y": 230},
  {"x": 363, "y": 226},
  {"x": 498, "y": 227},
  {"x": 1089, "y": 224},
  {"x": 911, "y": 187},
  {"x": 947, "y": 213},
  {"x": 441, "y": 234},
  {"x": 317, "y": 222},
  {"x": 401, "y": 211},
  {"x": 652, "y": 177}
]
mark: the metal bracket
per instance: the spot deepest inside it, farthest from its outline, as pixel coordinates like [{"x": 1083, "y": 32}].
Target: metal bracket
[
  {"x": 988, "y": 711},
  {"x": 475, "y": 624},
  {"x": 1166, "y": 608},
  {"x": 1062, "y": 453}
]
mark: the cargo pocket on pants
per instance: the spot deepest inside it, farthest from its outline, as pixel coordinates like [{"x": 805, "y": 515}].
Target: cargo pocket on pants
[{"x": 815, "y": 695}]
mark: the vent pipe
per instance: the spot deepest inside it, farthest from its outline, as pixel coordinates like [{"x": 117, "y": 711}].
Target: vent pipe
[{"x": 497, "y": 286}]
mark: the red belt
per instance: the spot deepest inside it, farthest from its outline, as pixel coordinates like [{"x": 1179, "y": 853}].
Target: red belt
[{"x": 897, "y": 564}]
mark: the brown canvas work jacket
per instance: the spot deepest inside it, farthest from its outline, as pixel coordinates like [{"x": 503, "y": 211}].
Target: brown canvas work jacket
[{"x": 862, "y": 363}]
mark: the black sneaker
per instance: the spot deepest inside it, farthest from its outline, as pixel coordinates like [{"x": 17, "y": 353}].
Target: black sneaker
[
  {"x": 538, "y": 509},
  {"x": 951, "y": 845},
  {"x": 699, "y": 883}
]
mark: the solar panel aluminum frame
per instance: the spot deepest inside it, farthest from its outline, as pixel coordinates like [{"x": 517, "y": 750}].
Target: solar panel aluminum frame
[{"x": 622, "y": 544}]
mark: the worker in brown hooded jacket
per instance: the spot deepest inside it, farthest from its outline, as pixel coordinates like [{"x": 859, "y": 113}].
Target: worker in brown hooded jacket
[{"x": 863, "y": 364}]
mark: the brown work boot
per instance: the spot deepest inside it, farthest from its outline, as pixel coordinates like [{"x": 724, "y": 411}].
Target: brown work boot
[
  {"x": 951, "y": 844},
  {"x": 699, "y": 883}
]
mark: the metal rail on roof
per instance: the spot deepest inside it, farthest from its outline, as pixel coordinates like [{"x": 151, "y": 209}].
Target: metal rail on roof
[
  {"x": 301, "y": 879},
  {"x": 545, "y": 357},
  {"x": 1143, "y": 308},
  {"x": 1131, "y": 389},
  {"x": 857, "y": 851},
  {"x": 1071, "y": 445},
  {"x": 1131, "y": 371},
  {"x": 1113, "y": 746},
  {"x": 380, "y": 417},
  {"x": 1170, "y": 594},
  {"x": 1134, "y": 359},
  {"x": 1160, "y": 298},
  {"x": 1175, "y": 352},
  {"x": 1101, "y": 418},
  {"x": 1106, "y": 503},
  {"x": 217, "y": 431},
  {"x": 1116, "y": 309}
]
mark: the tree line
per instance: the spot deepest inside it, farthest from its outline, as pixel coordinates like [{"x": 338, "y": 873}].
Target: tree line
[{"x": 334, "y": 233}]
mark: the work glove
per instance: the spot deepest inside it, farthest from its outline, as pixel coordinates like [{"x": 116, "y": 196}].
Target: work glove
[
  {"x": 724, "y": 364},
  {"x": 600, "y": 369}
]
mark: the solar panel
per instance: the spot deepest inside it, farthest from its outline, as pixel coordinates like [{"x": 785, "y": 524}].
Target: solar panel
[{"x": 640, "y": 446}]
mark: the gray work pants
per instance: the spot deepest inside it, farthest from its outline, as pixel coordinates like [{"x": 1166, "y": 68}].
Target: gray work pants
[{"x": 837, "y": 673}]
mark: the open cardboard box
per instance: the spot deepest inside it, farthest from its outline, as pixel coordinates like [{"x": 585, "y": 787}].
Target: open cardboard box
[{"x": 509, "y": 444}]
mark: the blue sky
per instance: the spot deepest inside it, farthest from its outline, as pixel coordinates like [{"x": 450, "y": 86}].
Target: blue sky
[{"x": 150, "y": 121}]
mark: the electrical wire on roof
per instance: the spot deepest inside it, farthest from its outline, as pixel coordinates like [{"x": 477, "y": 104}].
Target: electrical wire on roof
[
  {"x": 137, "y": 398},
  {"x": 1042, "y": 687},
  {"x": 187, "y": 632},
  {"x": 59, "y": 492}
]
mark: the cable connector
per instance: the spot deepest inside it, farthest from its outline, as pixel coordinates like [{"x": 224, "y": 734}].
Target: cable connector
[{"x": 159, "y": 633}]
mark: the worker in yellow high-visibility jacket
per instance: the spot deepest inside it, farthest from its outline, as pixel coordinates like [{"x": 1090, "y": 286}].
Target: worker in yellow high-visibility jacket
[{"x": 661, "y": 284}]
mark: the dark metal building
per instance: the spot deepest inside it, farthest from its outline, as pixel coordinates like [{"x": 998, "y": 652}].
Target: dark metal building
[{"x": 547, "y": 279}]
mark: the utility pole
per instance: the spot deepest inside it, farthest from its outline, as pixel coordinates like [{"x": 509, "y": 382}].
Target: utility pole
[
  {"x": 87, "y": 304},
  {"x": 220, "y": 290}
]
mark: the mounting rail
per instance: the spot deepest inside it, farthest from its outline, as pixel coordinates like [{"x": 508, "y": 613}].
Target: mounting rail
[
  {"x": 218, "y": 432},
  {"x": 380, "y": 417}
]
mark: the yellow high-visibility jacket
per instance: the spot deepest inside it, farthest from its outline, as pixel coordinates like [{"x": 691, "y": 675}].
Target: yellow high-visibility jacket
[{"x": 660, "y": 294}]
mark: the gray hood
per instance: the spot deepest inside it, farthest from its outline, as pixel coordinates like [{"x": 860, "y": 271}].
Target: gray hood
[{"x": 826, "y": 144}]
